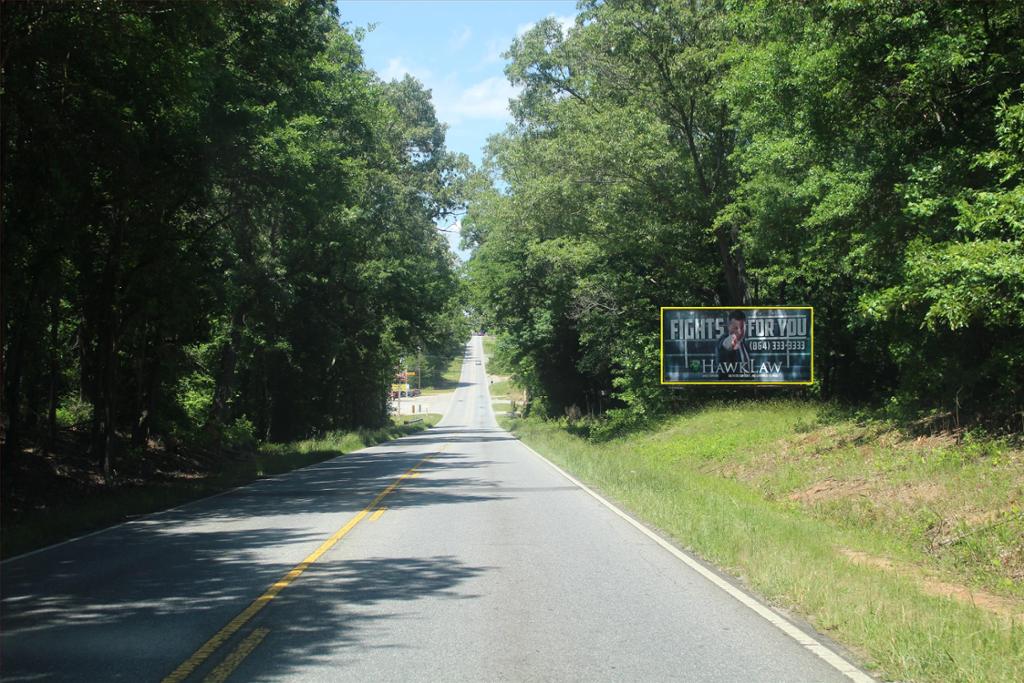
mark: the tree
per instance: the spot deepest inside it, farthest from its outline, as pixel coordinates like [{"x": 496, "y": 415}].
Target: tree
[
  {"x": 861, "y": 158},
  {"x": 218, "y": 223}
]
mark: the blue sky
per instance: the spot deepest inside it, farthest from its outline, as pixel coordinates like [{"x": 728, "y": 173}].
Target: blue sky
[{"x": 454, "y": 48}]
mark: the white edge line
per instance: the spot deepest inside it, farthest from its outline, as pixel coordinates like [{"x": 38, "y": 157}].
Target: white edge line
[
  {"x": 189, "y": 503},
  {"x": 819, "y": 649}
]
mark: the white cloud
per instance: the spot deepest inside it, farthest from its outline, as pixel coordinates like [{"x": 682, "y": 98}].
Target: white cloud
[
  {"x": 397, "y": 70},
  {"x": 494, "y": 49},
  {"x": 565, "y": 23},
  {"x": 487, "y": 99},
  {"x": 459, "y": 41}
]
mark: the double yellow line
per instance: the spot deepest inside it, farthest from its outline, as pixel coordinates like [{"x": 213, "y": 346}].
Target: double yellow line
[{"x": 209, "y": 647}]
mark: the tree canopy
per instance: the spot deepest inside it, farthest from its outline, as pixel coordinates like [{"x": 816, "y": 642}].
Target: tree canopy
[
  {"x": 218, "y": 223},
  {"x": 860, "y": 157}
]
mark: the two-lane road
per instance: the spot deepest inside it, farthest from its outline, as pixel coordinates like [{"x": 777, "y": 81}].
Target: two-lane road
[{"x": 454, "y": 554}]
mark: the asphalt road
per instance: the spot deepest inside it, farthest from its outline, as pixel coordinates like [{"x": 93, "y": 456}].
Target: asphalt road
[{"x": 480, "y": 562}]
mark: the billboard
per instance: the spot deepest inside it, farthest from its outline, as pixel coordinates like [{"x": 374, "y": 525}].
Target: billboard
[{"x": 747, "y": 345}]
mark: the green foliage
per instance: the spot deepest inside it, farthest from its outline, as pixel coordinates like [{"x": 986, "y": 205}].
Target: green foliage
[
  {"x": 500, "y": 353},
  {"x": 241, "y": 434},
  {"x": 217, "y": 221},
  {"x": 873, "y": 130},
  {"x": 195, "y": 396},
  {"x": 959, "y": 284},
  {"x": 73, "y": 411},
  {"x": 863, "y": 158}
]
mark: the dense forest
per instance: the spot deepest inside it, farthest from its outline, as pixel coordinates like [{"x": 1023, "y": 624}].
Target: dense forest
[
  {"x": 218, "y": 225},
  {"x": 864, "y": 158}
]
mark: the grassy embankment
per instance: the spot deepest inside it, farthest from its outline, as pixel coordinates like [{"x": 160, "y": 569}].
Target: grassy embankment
[
  {"x": 909, "y": 551},
  {"x": 100, "y": 508},
  {"x": 449, "y": 380},
  {"x": 506, "y": 396}
]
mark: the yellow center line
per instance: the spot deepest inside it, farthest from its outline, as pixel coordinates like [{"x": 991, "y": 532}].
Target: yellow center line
[
  {"x": 231, "y": 662},
  {"x": 376, "y": 515},
  {"x": 218, "y": 639}
]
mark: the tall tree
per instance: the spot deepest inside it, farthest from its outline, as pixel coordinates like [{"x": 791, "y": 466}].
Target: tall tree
[
  {"x": 218, "y": 224},
  {"x": 861, "y": 158}
]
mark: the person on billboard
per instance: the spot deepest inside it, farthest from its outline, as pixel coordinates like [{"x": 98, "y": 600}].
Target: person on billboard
[{"x": 732, "y": 347}]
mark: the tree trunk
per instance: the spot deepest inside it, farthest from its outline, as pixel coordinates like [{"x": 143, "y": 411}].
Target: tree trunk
[
  {"x": 149, "y": 385},
  {"x": 104, "y": 414},
  {"x": 14, "y": 370},
  {"x": 12, "y": 377},
  {"x": 732, "y": 266},
  {"x": 266, "y": 409},
  {"x": 225, "y": 386},
  {"x": 106, "y": 407},
  {"x": 138, "y": 409},
  {"x": 110, "y": 412},
  {"x": 727, "y": 237},
  {"x": 54, "y": 370}
]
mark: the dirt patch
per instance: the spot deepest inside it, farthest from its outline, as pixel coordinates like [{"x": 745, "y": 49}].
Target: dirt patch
[
  {"x": 868, "y": 560},
  {"x": 817, "y": 441},
  {"x": 912, "y": 494},
  {"x": 927, "y": 444},
  {"x": 983, "y": 517},
  {"x": 1007, "y": 608},
  {"x": 1012, "y": 560},
  {"x": 904, "y": 496},
  {"x": 831, "y": 489}
]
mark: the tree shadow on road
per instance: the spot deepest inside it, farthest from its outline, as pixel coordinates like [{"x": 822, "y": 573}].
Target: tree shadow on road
[
  {"x": 135, "y": 601},
  {"x": 335, "y": 615}
]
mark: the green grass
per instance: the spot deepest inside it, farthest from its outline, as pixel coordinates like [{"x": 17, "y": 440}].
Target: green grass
[
  {"x": 736, "y": 484},
  {"x": 38, "y": 529},
  {"x": 507, "y": 389},
  {"x": 504, "y": 395},
  {"x": 449, "y": 380},
  {"x": 427, "y": 420},
  {"x": 496, "y": 365}
]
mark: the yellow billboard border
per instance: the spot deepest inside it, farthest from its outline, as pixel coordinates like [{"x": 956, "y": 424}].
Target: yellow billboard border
[{"x": 661, "y": 337}]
